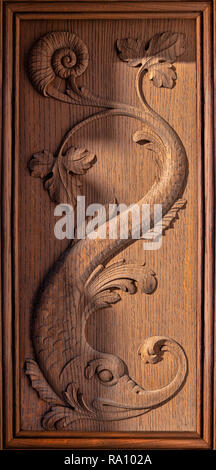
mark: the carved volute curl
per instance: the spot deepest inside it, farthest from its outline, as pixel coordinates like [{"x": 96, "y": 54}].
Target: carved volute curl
[{"x": 67, "y": 366}]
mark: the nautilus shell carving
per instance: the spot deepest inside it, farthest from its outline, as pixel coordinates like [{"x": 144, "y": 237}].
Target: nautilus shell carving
[
  {"x": 59, "y": 54},
  {"x": 82, "y": 281}
]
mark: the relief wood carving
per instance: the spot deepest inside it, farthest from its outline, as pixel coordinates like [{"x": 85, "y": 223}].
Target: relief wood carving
[{"x": 80, "y": 282}]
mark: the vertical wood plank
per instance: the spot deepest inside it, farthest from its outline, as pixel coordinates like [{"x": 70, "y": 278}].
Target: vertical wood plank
[
  {"x": 200, "y": 220},
  {"x": 209, "y": 225},
  {"x": 118, "y": 161}
]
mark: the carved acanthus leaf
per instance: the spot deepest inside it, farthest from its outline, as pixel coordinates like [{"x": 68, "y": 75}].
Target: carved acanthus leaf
[
  {"x": 151, "y": 141},
  {"x": 120, "y": 275},
  {"x": 62, "y": 412},
  {"x": 167, "y": 46},
  {"x": 78, "y": 160},
  {"x": 40, "y": 384},
  {"x": 106, "y": 298},
  {"x": 75, "y": 399},
  {"x": 74, "y": 408},
  {"x": 156, "y": 56},
  {"x": 58, "y": 417},
  {"x": 131, "y": 51},
  {"x": 162, "y": 74},
  {"x": 41, "y": 164},
  {"x": 61, "y": 174}
]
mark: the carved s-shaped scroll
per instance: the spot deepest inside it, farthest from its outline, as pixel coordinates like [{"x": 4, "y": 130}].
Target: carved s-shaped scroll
[{"x": 55, "y": 63}]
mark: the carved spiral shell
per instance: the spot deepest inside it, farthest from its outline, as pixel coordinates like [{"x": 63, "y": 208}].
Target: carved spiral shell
[{"x": 60, "y": 54}]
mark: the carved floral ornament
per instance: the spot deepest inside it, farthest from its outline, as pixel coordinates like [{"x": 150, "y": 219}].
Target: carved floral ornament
[{"x": 66, "y": 366}]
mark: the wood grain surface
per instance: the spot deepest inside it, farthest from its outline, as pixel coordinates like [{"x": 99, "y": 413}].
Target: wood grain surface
[{"x": 122, "y": 171}]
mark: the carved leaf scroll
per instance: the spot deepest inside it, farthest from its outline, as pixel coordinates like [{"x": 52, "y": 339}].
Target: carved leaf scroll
[
  {"x": 162, "y": 74},
  {"x": 123, "y": 276},
  {"x": 61, "y": 174},
  {"x": 41, "y": 164},
  {"x": 58, "y": 417},
  {"x": 167, "y": 46}
]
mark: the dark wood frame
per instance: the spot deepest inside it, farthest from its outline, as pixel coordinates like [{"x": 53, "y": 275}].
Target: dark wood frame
[{"x": 11, "y": 436}]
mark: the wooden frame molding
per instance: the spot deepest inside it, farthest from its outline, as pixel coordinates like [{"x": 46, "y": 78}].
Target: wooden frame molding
[{"x": 12, "y": 436}]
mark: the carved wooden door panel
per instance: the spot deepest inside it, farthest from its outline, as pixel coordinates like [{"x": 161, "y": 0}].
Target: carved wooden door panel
[{"x": 107, "y": 165}]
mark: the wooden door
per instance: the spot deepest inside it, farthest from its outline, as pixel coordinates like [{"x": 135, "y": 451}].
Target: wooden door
[{"x": 108, "y": 236}]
